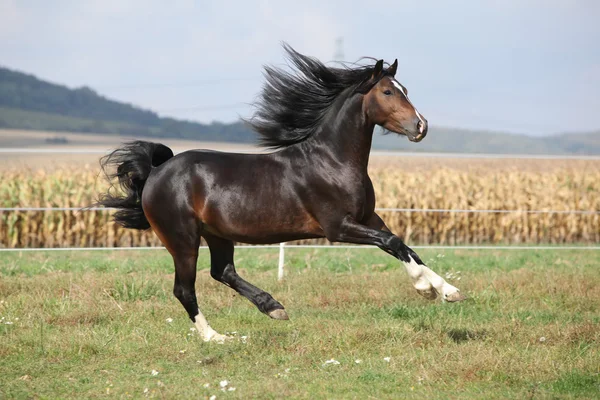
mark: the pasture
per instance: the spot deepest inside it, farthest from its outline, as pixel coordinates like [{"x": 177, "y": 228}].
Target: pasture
[
  {"x": 105, "y": 324},
  {"x": 97, "y": 324}
]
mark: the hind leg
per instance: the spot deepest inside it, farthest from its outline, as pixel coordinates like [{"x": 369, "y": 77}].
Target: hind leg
[
  {"x": 184, "y": 290},
  {"x": 223, "y": 270},
  {"x": 181, "y": 236}
]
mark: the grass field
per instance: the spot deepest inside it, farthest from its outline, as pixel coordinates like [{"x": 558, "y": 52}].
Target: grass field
[{"x": 95, "y": 325}]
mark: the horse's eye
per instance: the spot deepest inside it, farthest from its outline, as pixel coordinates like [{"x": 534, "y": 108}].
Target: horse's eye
[{"x": 387, "y": 92}]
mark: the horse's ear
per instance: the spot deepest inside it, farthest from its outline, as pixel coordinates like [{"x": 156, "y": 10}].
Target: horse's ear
[
  {"x": 392, "y": 69},
  {"x": 378, "y": 69}
]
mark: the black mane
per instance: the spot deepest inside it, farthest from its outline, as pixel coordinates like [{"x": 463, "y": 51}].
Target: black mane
[{"x": 292, "y": 105}]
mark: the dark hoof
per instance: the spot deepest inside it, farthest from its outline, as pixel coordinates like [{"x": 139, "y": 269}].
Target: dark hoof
[
  {"x": 455, "y": 297},
  {"x": 278, "y": 314}
]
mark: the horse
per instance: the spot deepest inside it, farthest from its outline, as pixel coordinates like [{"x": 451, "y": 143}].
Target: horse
[{"x": 318, "y": 121}]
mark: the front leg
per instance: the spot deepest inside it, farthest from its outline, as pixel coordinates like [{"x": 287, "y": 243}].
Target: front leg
[{"x": 427, "y": 282}]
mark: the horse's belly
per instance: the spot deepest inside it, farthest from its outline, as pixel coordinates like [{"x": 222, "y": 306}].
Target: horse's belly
[{"x": 261, "y": 225}]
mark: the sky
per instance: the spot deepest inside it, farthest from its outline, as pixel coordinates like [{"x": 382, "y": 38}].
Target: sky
[{"x": 523, "y": 66}]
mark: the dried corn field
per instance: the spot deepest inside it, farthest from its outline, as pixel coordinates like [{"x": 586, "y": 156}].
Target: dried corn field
[{"x": 400, "y": 183}]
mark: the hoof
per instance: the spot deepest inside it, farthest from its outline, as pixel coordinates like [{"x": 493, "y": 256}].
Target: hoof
[
  {"x": 278, "y": 314},
  {"x": 454, "y": 297},
  {"x": 429, "y": 294},
  {"x": 218, "y": 338}
]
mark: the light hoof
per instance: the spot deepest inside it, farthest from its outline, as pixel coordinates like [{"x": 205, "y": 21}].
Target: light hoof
[
  {"x": 278, "y": 314},
  {"x": 218, "y": 338},
  {"x": 454, "y": 297},
  {"x": 429, "y": 294}
]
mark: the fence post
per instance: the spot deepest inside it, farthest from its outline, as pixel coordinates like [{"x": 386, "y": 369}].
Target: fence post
[{"x": 281, "y": 260}]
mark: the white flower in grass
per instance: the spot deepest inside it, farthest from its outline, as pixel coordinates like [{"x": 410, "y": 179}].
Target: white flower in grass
[
  {"x": 169, "y": 320},
  {"x": 331, "y": 362},
  {"x": 154, "y": 372},
  {"x": 213, "y": 397},
  {"x": 387, "y": 359},
  {"x": 181, "y": 351},
  {"x": 358, "y": 361},
  {"x": 206, "y": 385},
  {"x": 542, "y": 339},
  {"x": 231, "y": 389},
  {"x": 243, "y": 339},
  {"x": 145, "y": 390},
  {"x": 192, "y": 329},
  {"x": 223, "y": 383}
]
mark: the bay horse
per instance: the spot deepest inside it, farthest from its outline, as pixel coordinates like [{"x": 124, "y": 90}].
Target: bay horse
[{"x": 319, "y": 121}]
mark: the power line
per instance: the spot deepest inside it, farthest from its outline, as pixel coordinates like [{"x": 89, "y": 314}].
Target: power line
[
  {"x": 308, "y": 246},
  {"x": 206, "y": 82},
  {"x": 206, "y": 108},
  {"x": 383, "y": 209}
]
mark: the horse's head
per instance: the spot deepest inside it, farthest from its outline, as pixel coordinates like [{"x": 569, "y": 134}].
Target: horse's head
[{"x": 387, "y": 105}]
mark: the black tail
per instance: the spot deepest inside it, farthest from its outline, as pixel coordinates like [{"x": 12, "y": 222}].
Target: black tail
[{"x": 133, "y": 163}]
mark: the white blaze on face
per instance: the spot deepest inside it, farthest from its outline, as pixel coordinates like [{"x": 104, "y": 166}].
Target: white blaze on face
[{"x": 401, "y": 89}]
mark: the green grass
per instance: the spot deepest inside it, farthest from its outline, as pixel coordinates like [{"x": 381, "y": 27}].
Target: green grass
[{"x": 94, "y": 325}]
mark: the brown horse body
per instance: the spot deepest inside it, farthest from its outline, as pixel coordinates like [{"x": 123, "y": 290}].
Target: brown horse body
[{"x": 315, "y": 185}]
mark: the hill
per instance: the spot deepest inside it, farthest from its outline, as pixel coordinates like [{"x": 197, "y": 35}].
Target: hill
[
  {"x": 27, "y": 102},
  {"x": 451, "y": 140}
]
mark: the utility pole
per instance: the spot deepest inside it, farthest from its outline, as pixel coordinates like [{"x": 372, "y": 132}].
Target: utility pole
[{"x": 339, "y": 49}]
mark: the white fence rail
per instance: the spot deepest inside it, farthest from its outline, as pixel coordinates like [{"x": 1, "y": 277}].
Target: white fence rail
[{"x": 379, "y": 209}]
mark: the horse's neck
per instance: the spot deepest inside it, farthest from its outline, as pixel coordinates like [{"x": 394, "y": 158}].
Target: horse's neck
[{"x": 346, "y": 135}]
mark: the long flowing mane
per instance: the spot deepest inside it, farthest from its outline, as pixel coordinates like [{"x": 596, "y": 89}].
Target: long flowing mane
[{"x": 292, "y": 105}]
